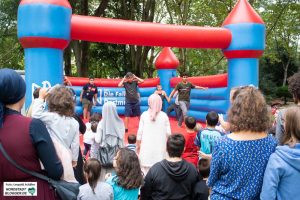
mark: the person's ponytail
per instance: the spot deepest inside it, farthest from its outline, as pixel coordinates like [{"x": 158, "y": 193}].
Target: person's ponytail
[{"x": 92, "y": 170}]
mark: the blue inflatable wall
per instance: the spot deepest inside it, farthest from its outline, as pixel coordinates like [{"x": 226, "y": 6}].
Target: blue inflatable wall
[{"x": 116, "y": 95}]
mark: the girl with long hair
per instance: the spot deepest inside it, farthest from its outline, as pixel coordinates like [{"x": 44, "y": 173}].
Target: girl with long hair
[
  {"x": 128, "y": 178},
  {"x": 94, "y": 189},
  {"x": 282, "y": 175}
]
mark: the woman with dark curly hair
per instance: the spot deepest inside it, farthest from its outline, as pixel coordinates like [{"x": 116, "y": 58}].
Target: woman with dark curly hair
[
  {"x": 240, "y": 158},
  {"x": 294, "y": 89},
  {"x": 128, "y": 178},
  {"x": 62, "y": 127}
]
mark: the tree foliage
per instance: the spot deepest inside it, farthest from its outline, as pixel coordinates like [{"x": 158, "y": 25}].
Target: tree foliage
[
  {"x": 11, "y": 53},
  {"x": 280, "y": 60}
]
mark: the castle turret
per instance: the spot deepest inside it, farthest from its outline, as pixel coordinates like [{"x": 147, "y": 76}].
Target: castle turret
[
  {"x": 44, "y": 32},
  {"x": 247, "y": 45}
]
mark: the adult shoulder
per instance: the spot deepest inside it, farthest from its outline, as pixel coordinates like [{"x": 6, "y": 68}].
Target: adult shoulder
[
  {"x": 74, "y": 122},
  {"x": 145, "y": 113},
  {"x": 164, "y": 114},
  {"x": 271, "y": 139},
  {"x": 37, "y": 124},
  {"x": 223, "y": 141}
]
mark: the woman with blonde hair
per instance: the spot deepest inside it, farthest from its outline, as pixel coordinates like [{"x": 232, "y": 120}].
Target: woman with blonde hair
[
  {"x": 239, "y": 159},
  {"x": 154, "y": 129},
  {"x": 282, "y": 175}
]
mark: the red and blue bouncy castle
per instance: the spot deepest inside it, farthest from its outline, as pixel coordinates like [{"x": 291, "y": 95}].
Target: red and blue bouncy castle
[
  {"x": 45, "y": 28},
  {"x": 108, "y": 90}
]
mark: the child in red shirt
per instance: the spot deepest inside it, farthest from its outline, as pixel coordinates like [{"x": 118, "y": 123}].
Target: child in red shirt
[{"x": 190, "y": 153}]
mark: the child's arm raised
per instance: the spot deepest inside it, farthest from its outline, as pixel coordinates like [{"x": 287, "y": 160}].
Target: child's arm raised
[{"x": 38, "y": 111}]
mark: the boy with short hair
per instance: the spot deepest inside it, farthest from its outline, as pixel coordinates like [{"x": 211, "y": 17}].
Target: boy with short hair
[
  {"x": 88, "y": 93},
  {"x": 184, "y": 91},
  {"x": 131, "y": 142},
  {"x": 190, "y": 153},
  {"x": 201, "y": 190},
  {"x": 207, "y": 137},
  {"x": 132, "y": 96},
  {"x": 173, "y": 177}
]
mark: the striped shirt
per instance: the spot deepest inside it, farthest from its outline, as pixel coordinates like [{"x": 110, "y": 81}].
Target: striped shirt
[{"x": 132, "y": 147}]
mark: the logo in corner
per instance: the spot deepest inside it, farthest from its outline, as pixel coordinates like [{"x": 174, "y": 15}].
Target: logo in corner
[{"x": 31, "y": 191}]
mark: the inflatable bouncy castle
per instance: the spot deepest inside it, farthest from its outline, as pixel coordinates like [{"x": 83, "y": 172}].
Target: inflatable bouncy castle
[{"x": 45, "y": 28}]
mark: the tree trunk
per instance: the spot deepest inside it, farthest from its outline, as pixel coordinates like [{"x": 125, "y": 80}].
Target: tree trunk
[
  {"x": 77, "y": 54},
  {"x": 101, "y": 8},
  {"x": 139, "y": 54},
  {"x": 81, "y": 48},
  {"x": 285, "y": 70},
  {"x": 67, "y": 59},
  {"x": 252, "y": 2},
  {"x": 84, "y": 68}
]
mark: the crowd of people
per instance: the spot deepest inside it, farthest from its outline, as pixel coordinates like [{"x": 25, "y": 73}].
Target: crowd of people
[{"x": 234, "y": 159}]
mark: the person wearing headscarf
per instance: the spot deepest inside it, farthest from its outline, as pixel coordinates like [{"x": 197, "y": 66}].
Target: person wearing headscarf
[
  {"x": 154, "y": 129},
  {"x": 24, "y": 139},
  {"x": 110, "y": 133}
]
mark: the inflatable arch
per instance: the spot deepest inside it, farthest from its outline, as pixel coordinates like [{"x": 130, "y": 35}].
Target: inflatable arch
[{"x": 45, "y": 28}]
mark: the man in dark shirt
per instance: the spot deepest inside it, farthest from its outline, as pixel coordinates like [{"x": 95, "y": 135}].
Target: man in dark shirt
[
  {"x": 132, "y": 98},
  {"x": 89, "y": 91},
  {"x": 173, "y": 177},
  {"x": 184, "y": 90}
]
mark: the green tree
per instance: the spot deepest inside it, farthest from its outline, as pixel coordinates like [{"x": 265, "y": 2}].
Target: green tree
[
  {"x": 283, "y": 35},
  {"x": 11, "y": 53},
  {"x": 284, "y": 92}
]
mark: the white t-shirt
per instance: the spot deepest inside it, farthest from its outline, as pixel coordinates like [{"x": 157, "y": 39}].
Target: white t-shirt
[{"x": 89, "y": 136}]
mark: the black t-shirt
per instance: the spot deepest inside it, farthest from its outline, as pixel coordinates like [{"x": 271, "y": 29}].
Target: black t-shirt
[
  {"x": 131, "y": 92},
  {"x": 89, "y": 91}
]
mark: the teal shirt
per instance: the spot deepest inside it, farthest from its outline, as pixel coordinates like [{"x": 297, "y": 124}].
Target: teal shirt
[
  {"x": 121, "y": 193},
  {"x": 206, "y": 139}
]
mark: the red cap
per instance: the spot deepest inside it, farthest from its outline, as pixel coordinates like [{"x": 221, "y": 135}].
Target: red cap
[
  {"x": 64, "y": 3},
  {"x": 243, "y": 13},
  {"x": 166, "y": 59}
]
